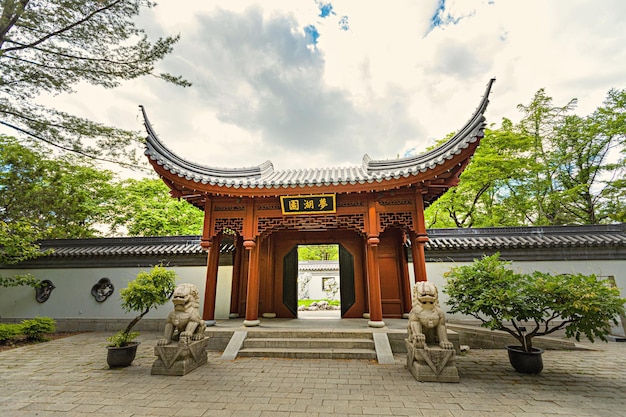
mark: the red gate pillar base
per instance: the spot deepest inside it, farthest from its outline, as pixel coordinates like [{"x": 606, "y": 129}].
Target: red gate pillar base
[
  {"x": 377, "y": 324},
  {"x": 209, "y": 323},
  {"x": 251, "y": 323}
]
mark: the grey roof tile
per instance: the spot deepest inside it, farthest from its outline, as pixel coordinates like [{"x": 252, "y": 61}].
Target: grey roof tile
[
  {"x": 527, "y": 237},
  {"x": 264, "y": 175},
  {"x": 439, "y": 240}
]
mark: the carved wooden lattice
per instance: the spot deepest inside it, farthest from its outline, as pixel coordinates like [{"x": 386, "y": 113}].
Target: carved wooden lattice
[
  {"x": 354, "y": 222},
  {"x": 405, "y": 202},
  {"x": 235, "y": 224},
  {"x": 404, "y": 221},
  {"x": 229, "y": 208}
]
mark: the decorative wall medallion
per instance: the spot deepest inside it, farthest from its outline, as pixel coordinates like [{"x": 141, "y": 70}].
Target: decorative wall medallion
[
  {"x": 42, "y": 293},
  {"x": 102, "y": 289}
]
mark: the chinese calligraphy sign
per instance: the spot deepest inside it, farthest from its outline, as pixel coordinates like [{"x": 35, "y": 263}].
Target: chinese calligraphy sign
[{"x": 308, "y": 204}]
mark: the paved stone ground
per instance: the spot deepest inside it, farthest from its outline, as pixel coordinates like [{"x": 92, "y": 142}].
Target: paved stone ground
[{"x": 69, "y": 377}]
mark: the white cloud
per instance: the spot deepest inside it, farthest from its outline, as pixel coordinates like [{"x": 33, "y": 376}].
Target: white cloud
[{"x": 390, "y": 83}]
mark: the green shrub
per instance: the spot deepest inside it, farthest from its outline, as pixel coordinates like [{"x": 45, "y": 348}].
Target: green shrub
[
  {"x": 9, "y": 332},
  {"x": 537, "y": 304},
  {"x": 147, "y": 291},
  {"x": 121, "y": 338},
  {"x": 36, "y": 329}
]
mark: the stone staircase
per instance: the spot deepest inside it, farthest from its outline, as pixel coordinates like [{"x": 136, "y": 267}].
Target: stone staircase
[{"x": 309, "y": 344}]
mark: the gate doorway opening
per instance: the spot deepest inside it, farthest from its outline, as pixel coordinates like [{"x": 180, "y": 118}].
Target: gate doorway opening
[{"x": 319, "y": 283}]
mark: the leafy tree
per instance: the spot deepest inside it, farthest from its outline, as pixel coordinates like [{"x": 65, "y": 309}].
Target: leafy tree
[
  {"x": 318, "y": 252},
  {"x": 603, "y": 146},
  {"x": 486, "y": 183},
  {"x": 145, "y": 208},
  {"x": 615, "y": 208},
  {"x": 541, "y": 123},
  {"x": 551, "y": 168},
  {"x": 50, "y": 46},
  {"x": 47, "y": 198},
  {"x": 147, "y": 291}
]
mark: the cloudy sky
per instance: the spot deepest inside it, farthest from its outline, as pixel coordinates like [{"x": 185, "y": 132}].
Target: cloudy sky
[{"x": 311, "y": 83}]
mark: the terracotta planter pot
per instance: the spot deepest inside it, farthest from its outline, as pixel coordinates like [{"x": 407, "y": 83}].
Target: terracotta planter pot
[
  {"x": 525, "y": 362},
  {"x": 121, "y": 357}
]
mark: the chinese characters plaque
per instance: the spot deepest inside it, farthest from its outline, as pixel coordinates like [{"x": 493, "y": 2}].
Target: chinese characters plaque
[{"x": 308, "y": 204}]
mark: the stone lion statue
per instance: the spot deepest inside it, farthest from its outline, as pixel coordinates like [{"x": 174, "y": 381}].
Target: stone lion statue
[
  {"x": 427, "y": 319},
  {"x": 184, "y": 322}
]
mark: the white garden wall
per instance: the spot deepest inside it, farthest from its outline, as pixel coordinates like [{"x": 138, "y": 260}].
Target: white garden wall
[{"x": 72, "y": 299}]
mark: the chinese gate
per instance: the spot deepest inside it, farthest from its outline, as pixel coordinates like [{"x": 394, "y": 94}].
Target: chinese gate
[{"x": 370, "y": 211}]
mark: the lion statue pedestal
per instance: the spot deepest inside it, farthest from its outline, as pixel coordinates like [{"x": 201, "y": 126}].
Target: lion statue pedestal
[
  {"x": 434, "y": 363},
  {"x": 183, "y": 347}
]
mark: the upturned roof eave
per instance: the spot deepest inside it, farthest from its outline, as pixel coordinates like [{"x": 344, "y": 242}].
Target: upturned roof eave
[
  {"x": 262, "y": 180},
  {"x": 472, "y": 129},
  {"x": 191, "y": 190}
]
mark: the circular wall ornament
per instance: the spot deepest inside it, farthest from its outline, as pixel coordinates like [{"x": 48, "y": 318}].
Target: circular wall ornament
[
  {"x": 102, "y": 289},
  {"x": 43, "y": 291}
]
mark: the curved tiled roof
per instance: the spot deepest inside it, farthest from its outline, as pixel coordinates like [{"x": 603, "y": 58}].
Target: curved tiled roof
[
  {"x": 550, "y": 242},
  {"x": 264, "y": 176},
  {"x": 318, "y": 265},
  {"x": 127, "y": 246},
  {"x": 501, "y": 238}
]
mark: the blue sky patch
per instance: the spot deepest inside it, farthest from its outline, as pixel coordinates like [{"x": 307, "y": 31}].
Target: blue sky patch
[
  {"x": 436, "y": 20},
  {"x": 343, "y": 23},
  {"x": 442, "y": 17},
  {"x": 311, "y": 34},
  {"x": 409, "y": 152},
  {"x": 326, "y": 9}
]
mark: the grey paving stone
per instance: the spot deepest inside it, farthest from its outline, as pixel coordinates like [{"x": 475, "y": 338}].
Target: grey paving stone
[{"x": 69, "y": 377}]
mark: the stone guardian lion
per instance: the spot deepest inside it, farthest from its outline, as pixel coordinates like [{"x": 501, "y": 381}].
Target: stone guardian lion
[
  {"x": 184, "y": 322},
  {"x": 427, "y": 319}
]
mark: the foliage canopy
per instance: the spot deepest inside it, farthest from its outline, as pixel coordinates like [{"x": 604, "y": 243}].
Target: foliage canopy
[
  {"x": 147, "y": 291},
  {"x": 489, "y": 290},
  {"x": 318, "y": 252},
  {"x": 145, "y": 208},
  {"x": 50, "y": 46},
  {"x": 551, "y": 168}
]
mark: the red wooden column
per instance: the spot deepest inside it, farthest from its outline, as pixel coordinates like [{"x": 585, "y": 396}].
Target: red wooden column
[
  {"x": 210, "y": 289},
  {"x": 373, "y": 270},
  {"x": 419, "y": 238},
  {"x": 252, "y": 295},
  {"x": 249, "y": 242},
  {"x": 207, "y": 231},
  {"x": 208, "y": 244},
  {"x": 236, "y": 278},
  {"x": 407, "y": 299}
]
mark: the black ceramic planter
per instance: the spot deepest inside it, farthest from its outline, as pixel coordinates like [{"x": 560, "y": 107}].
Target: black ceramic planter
[
  {"x": 525, "y": 362},
  {"x": 121, "y": 357}
]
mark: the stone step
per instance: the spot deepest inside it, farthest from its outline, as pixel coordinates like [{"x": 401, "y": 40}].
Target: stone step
[
  {"x": 308, "y": 343},
  {"x": 303, "y": 334},
  {"x": 308, "y": 353}
]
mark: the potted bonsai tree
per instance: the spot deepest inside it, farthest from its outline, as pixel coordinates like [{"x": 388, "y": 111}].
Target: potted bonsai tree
[
  {"x": 530, "y": 305},
  {"x": 147, "y": 291}
]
